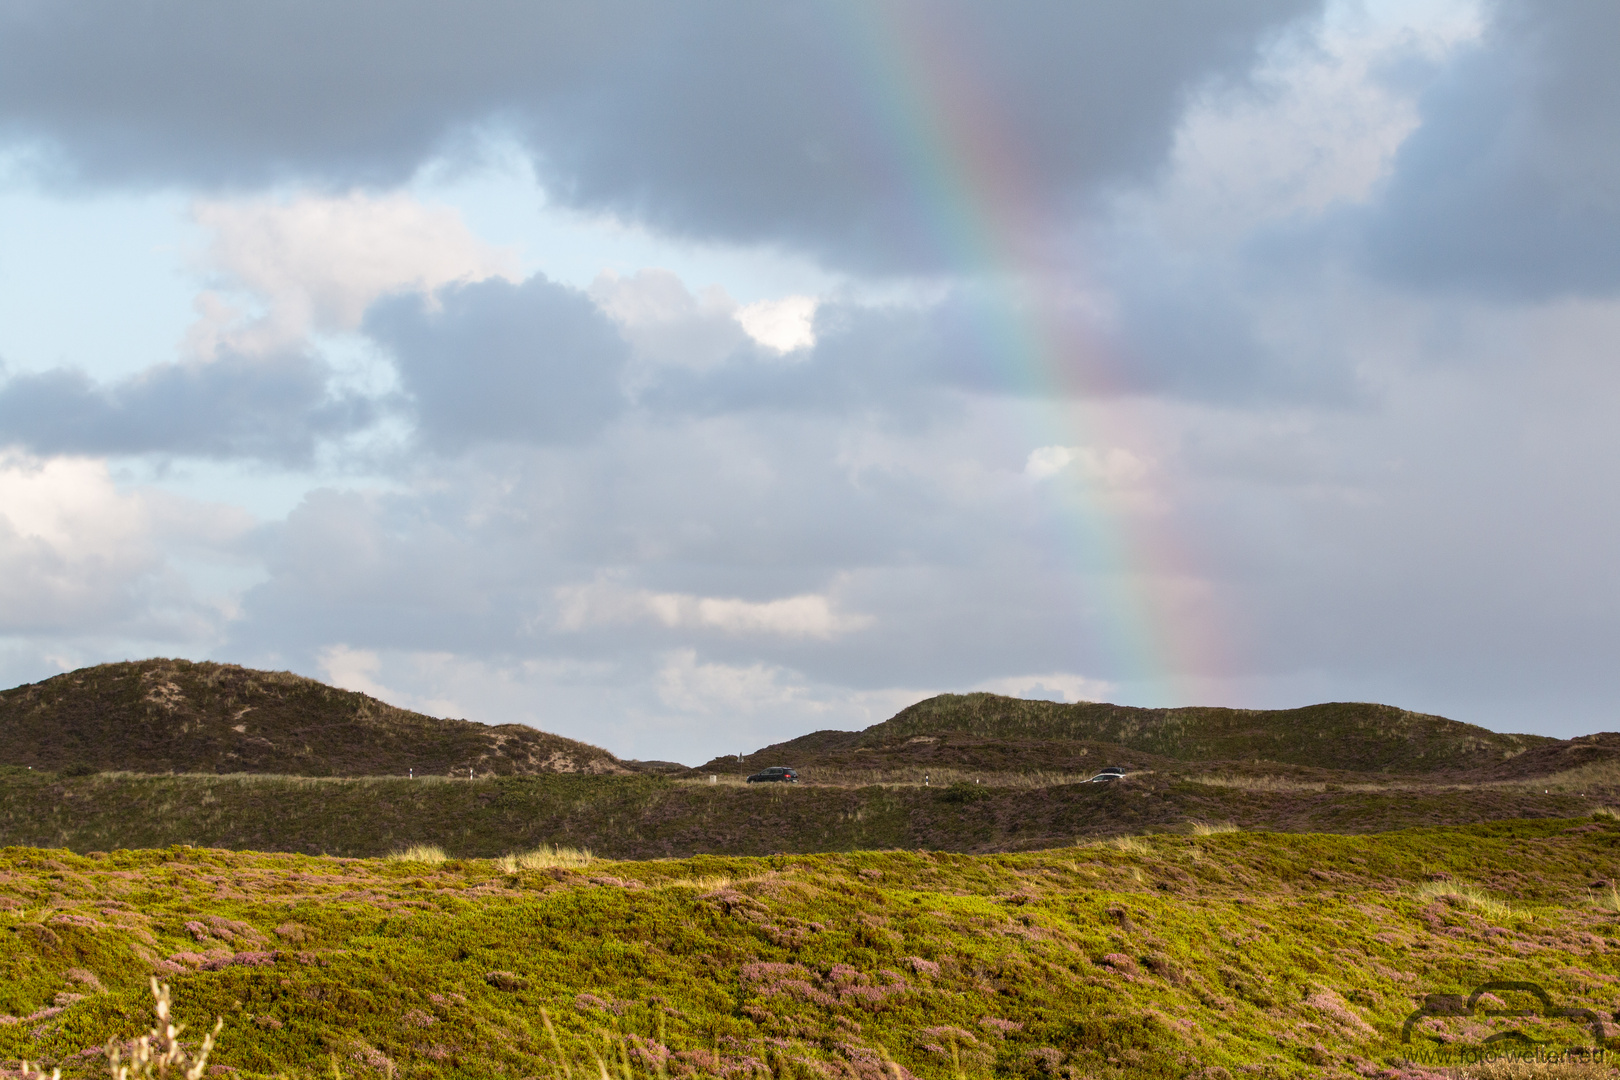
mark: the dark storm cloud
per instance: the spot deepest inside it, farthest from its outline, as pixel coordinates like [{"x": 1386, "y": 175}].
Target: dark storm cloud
[
  {"x": 780, "y": 122},
  {"x": 1511, "y": 186},
  {"x": 274, "y": 407},
  {"x": 737, "y": 121},
  {"x": 497, "y": 362}
]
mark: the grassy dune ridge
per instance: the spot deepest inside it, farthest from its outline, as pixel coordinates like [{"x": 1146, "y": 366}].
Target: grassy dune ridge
[
  {"x": 1354, "y": 736},
  {"x": 643, "y": 816},
  {"x": 164, "y": 715},
  {"x": 1292, "y": 955}
]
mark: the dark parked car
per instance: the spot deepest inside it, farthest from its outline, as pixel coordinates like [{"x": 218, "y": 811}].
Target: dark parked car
[{"x": 775, "y": 774}]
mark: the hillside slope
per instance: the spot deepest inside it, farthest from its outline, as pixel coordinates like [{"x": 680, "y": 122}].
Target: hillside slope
[
  {"x": 654, "y": 817},
  {"x": 1351, "y": 736},
  {"x": 179, "y": 716},
  {"x": 990, "y": 731}
]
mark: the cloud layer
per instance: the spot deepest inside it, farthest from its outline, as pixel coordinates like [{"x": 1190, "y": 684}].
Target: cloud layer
[
  {"x": 785, "y": 123},
  {"x": 1252, "y": 353}
]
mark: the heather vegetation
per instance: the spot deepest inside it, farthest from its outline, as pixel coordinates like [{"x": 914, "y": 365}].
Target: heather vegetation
[
  {"x": 1276, "y": 955},
  {"x": 994, "y": 731},
  {"x": 180, "y": 716},
  {"x": 654, "y": 817},
  {"x": 944, "y": 896}
]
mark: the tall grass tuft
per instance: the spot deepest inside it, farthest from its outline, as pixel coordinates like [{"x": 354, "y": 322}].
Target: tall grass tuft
[
  {"x": 1608, "y": 900},
  {"x": 1212, "y": 828},
  {"x": 545, "y": 857},
  {"x": 424, "y": 853},
  {"x": 1130, "y": 845},
  {"x": 1466, "y": 895},
  {"x": 158, "y": 1053}
]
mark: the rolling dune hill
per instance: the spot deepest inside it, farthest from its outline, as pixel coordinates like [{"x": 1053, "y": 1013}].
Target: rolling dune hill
[
  {"x": 1339, "y": 741},
  {"x": 159, "y": 716},
  {"x": 1350, "y": 736}
]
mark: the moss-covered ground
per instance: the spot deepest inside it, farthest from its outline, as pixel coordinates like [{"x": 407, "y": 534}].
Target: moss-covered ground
[{"x": 1252, "y": 953}]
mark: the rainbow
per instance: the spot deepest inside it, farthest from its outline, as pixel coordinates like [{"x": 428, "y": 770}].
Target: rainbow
[{"x": 1146, "y": 611}]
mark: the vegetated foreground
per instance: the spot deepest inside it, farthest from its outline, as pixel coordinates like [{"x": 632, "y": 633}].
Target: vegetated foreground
[{"x": 1284, "y": 955}]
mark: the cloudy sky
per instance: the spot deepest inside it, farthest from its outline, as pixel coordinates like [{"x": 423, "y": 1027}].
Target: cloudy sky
[{"x": 682, "y": 378}]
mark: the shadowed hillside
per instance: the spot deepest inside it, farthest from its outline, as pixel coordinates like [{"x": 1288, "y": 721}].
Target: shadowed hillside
[
  {"x": 1351, "y": 736},
  {"x": 991, "y": 732},
  {"x": 178, "y": 716},
  {"x": 639, "y": 817}
]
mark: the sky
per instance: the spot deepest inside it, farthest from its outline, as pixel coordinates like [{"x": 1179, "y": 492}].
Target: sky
[{"x": 687, "y": 377}]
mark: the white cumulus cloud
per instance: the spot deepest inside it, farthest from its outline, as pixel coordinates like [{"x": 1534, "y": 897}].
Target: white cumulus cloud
[
  {"x": 78, "y": 553},
  {"x": 315, "y": 263},
  {"x": 688, "y": 686},
  {"x": 1058, "y": 686},
  {"x": 786, "y": 325},
  {"x": 605, "y": 603}
]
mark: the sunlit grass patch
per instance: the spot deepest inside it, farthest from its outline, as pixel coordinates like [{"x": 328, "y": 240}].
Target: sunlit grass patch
[
  {"x": 1130, "y": 845},
  {"x": 1467, "y": 896},
  {"x": 707, "y": 883},
  {"x": 1607, "y": 899},
  {"x": 1257, "y": 783},
  {"x": 545, "y": 857},
  {"x": 422, "y": 853},
  {"x": 1212, "y": 828}
]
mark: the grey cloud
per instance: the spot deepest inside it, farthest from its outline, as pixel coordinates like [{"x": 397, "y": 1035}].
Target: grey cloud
[
  {"x": 1511, "y": 186},
  {"x": 1178, "y": 332},
  {"x": 1193, "y": 329},
  {"x": 666, "y": 325},
  {"x": 393, "y": 571},
  {"x": 864, "y": 358},
  {"x": 737, "y": 121},
  {"x": 276, "y": 407},
  {"x": 787, "y": 123},
  {"x": 493, "y": 361},
  {"x": 470, "y": 557},
  {"x": 172, "y": 90}
]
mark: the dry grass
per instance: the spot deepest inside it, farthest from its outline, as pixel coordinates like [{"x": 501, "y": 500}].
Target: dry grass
[
  {"x": 158, "y": 1053},
  {"x": 1212, "y": 828},
  {"x": 707, "y": 883},
  {"x": 422, "y": 853},
  {"x": 1534, "y": 1070},
  {"x": 714, "y": 780},
  {"x": 1607, "y": 899},
  {"x": 1286, "y": 784},
  {"x": 1599, "y": 774},
  {"x": 1466, "y": 895},
  {"x": 1130, "y": 845},
  {"x": 913, "y": 777},
  {"x": 545, "y": 857},
  {"x": 290, "y": 779}
]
